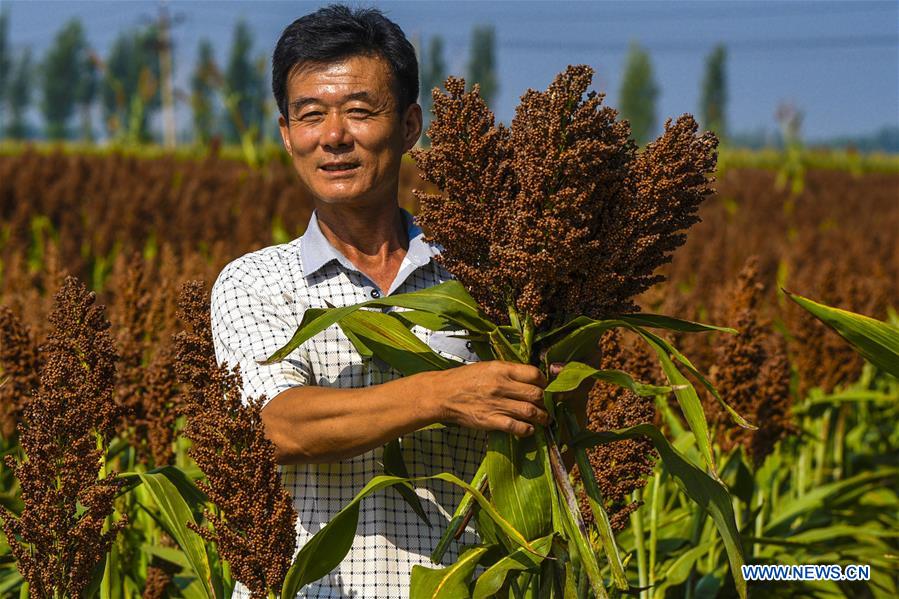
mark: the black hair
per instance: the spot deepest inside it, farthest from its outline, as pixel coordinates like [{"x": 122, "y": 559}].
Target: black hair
[{"x": 336, "y": 32}]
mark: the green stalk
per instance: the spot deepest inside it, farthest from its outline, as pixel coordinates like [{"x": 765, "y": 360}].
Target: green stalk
[
  {"x": 574, "y": 521},
  {"x": 594, "y": 498},
  {"x": 802, "y": 464},
  {"x": 637, "y": 524},
  {"x": 654, "y": 524},
  {"x": 759, "y": 518},
  {"x": 839, "y": 436},
  {"x": 821, "y": 448},
  {"x": 695, "y": 537}
]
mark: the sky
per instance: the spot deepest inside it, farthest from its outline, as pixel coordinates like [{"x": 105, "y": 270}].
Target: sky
[{"x": 837, "y": 61}]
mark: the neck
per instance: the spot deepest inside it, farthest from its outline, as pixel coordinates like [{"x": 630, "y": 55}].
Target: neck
[{"x": 364, "y": 234}]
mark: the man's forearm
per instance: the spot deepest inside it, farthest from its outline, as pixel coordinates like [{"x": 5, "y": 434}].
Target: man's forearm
[{"x": 322, "y": 424}]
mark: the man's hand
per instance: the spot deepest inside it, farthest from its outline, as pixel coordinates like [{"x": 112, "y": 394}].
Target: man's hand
[{"x": 492, "y": 395}]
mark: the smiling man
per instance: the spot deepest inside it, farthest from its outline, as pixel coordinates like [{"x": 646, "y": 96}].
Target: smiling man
[{"x": 346, "y": 84}]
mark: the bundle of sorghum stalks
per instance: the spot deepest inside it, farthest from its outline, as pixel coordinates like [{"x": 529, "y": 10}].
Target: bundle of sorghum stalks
[{"x": 551, "y": 227}]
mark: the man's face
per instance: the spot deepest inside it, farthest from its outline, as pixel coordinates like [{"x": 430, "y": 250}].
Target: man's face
[{"x": 345, "y": 133}]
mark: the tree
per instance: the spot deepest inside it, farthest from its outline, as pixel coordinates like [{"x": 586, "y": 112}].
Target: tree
[
  {"x": 60, "y": 77},
  {"x": 18, "y": 93},
  {"x": 245, "y": 91},
  {"x": 433, "y": 73},
  {"x": 131, "y": 84},
  {"x": 5, "y": 57},
  {"x": 482, "y": 62},
  {"x": 205, "y": 79},
  {"x": 639, "y": 92},
  {"x": 714, "y": 92},
  {"x": 86, "y": 93}
]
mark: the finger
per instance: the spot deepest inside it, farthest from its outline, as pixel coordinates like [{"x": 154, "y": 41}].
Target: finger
[
  {"x": 510, "y": 425},
  {"x": 523, "y": 392},
  {"x": 527, "y": 411},
  {"x": 525, "y": 373}
]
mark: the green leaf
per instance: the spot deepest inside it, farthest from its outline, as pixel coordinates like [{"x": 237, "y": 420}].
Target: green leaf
[
  {"x": 876, "y": 341},
  {"x": 327, "y": 548},
  {"x": 573, "y": 373},
  {"x": 502, "y": 348},
  {"x": 427, "y": 320},
  {"x": 168, "y": 554},
  {"x": 446, "y": 583},
  {"x": 176, "y": 513},
  {"x": 580, "y": 341},
  {"x": 707, "y": 492},
  {"x": 689, "y": 402},
  {"x": 387, "y": 338},
  {"x": 449, "y": 300},
  {"x": 791, "y": 508},
  {"x": 395, "y": 465},
  {"x": 679, "y": 570},
  {"x": 660, "y": 321},
  {"x": 735, "y": 416},
  {"x": 488, "y": 508},
  {"x": 517, "y": 484},
  {"x": 493, "y": 578},
  {"x": 459, "y": 516}
]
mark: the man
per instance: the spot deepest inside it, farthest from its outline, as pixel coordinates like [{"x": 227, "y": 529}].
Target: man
[{"x": 346, "y": 84}]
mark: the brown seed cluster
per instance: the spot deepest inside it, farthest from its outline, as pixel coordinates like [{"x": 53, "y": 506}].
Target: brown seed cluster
[
  {"x": 557, "y": 215},
  {"x": 621, "y": 467},
  {"x": 58, "y": 539},
  {"x": 146, "y": 388},
  {"x": 20, "y": 363},
  {"x": 822, "y": 358},
  {"x": 255, "y": 531},
  {"x": 751, "y": 373}
]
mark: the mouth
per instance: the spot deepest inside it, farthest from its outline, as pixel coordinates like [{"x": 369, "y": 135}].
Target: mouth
[{"x": 339, "y": 167}]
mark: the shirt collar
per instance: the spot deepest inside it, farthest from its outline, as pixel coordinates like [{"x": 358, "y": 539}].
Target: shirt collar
[{"x": 316, "y": 251}]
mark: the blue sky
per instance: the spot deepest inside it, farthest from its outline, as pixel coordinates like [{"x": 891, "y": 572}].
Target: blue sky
[{"x": 836, "y": 61}]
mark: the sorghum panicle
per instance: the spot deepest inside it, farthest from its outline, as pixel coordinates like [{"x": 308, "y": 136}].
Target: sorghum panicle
[
  {"x": 557, "y": 215},
  {"x": 256, "y": 532},
  {"x": 20, "y": 363},
  {"x": 751, "y": 373},
  {"x": 72, "y": 411},
  {"x": 621, "y": 467}
]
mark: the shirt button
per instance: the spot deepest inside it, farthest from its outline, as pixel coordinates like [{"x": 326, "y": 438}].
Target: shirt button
[{"x": 375, "y": 293}]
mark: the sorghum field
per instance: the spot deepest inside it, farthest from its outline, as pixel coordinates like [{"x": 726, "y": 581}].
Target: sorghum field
[{"x": 106, "y": 259}]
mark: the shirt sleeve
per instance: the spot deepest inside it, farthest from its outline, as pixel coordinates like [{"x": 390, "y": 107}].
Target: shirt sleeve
[{"x": 250, "y": 324}]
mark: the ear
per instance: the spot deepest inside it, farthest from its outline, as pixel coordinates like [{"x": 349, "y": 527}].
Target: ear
[
  {"x": 412, "y": 125},
  {"x": 284, "y": 127}
]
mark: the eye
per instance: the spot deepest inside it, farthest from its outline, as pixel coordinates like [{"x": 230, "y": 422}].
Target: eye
[
  {"x": 310, "y": 115},
  {"x": 359, "y": 112}
]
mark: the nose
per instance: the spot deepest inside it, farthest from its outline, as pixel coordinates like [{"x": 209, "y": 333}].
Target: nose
[{"x": 335, "y": 135}]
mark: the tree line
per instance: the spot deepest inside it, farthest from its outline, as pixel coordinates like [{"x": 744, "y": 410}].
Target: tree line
[{"x": 132, "y": 83}]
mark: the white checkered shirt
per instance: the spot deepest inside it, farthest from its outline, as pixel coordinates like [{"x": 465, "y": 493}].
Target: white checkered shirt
[{"x": 258, "y": 301}]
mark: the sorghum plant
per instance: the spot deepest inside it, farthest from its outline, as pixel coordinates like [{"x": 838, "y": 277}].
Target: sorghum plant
[
  {"x": 146, "y": 387},
  {"x": 20, "y": 363},
  {"x": 752, "y": 374},
  {"x": 254, "y": 528},
  {"x": 65, "y": 528}
]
